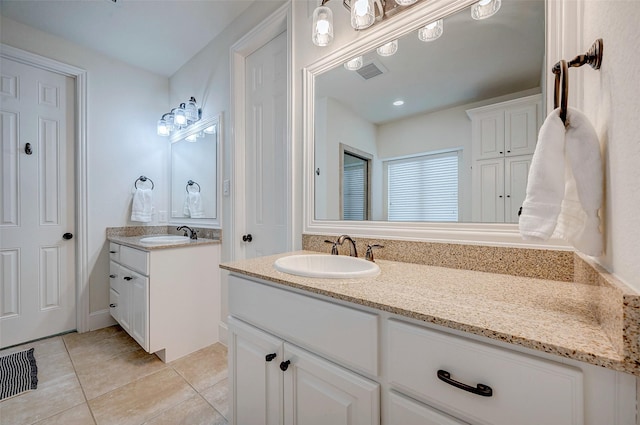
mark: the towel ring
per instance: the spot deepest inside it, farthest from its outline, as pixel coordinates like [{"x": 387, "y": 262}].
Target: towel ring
[
  {"x": 561, "y": 94},
  {"x": 143, "y": 179},
  {"x": 191, "y": 183}
]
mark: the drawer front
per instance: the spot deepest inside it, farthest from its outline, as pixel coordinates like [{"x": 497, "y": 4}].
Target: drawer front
[
  {"x": 346, "y": 335},
  {"x": 524, "y": 390},
  {"x": 114, "y": 251},
  {"x": 114, "y": 304},
  {"x": 135, "y": 259},
  {"x": 405, "y": 411}
]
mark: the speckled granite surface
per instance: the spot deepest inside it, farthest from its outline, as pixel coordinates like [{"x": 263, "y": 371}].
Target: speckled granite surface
[
  {"x": 563, "y": 318},
  {"x": 131, "y": 236}
]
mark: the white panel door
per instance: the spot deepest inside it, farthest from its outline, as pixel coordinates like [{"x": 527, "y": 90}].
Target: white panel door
[
  {"x": 266, "y": 149},
  {"x": 139, "y": 293},
  {"x": 516, "y": 175},
  {"x": 37, "y": 265},
  {"x": 256, "y": 390},
  {"x": 520, "y": 129},
  {"x": 318, "y": 392},
  {"x": 488, "y": 191}
]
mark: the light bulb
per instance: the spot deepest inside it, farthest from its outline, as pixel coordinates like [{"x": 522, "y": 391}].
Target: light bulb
[
  {"x": 322, "y": 31},
  {"x": 388, "y": 49},
  {"x": 191, "y": 111},
  {"x": 179, "y": 117},
  {"x": 362, "y": 14},
  {"x": 354, "y": 64},
  {"x": 162, "y": 128}
]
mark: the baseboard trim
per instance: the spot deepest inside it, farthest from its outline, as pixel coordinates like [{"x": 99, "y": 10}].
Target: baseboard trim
[
  {"x": 100, "y": 319},
  {"x": 222, "y": 333}
]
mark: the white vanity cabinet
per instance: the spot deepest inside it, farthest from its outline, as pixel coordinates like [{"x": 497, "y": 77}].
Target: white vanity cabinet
[
  {"x": 347, "y": 364},
  {"x": 274, "y": 381},
  {"x": 504, "y": 138},
  {"x": 168, "y": 300}
]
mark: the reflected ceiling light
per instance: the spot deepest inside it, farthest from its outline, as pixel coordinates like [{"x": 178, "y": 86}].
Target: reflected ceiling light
[
  {"x": 485, "y": 8},
  {"x": 405, "y": 2},
  {"x": 354, "y": 64},
  {"x": 431, "y": 31},
  {"x": 322, "y": 32},
  {"x": 398, "y": 102},
  {"x": 388, "y": 49},
  {"x": 210, "y": 130},
  {"x": 191, "y": 138},
  {"x": 181, "y": 117},
  {"x": 362, "y": 14}
]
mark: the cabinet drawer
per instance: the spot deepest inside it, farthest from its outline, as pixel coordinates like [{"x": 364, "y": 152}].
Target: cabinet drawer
[
  {"x": 343, "y": 334},
  {"x": 114, "y": 276},
  {"x": 135, "y": 259},
  {"x": 525, "y": 390},
  {"x": 114, "y": 251},
  {"x": 405, "y": 411}
]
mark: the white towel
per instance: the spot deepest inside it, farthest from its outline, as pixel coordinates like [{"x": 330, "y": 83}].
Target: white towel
[
  {"x": 564, "y": 190},
  {"x": 194, "y": 202},
  {"x": 142, "y": 205}
]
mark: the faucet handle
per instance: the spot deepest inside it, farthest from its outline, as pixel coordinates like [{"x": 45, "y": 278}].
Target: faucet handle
[
  {"x": 334, "y": 247},
  {"x": 369, "y": 253}
]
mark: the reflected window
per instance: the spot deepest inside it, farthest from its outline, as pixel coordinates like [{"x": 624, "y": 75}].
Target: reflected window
[{"x": 423, "y": 188}]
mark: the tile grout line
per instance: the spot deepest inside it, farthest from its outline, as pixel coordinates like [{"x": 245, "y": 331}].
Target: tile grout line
[{"x": 73, "y": 365}]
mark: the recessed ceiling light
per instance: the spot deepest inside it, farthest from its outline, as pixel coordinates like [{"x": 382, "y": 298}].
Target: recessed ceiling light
[{"x": 398, "y": 103}]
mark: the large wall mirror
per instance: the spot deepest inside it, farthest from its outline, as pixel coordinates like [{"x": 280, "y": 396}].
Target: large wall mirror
[
  {"x": 425, "y": 117},
  {"x": 195, "y": 174}
]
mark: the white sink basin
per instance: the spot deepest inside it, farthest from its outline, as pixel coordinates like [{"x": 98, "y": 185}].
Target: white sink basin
[
  {"x": 327, "y": 266},
  {"x": 165, "y": 239}
]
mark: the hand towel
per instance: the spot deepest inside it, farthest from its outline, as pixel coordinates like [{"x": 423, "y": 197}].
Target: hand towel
[
  {"x": 195, "y": 205},
  {"x": 141, "y": 205},
  {"x": 564, "y": 190},
  {"x": 185, "y": 207}
]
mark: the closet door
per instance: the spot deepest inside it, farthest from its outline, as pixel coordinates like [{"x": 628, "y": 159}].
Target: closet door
[
  {"x": 516, "y": 173},
  {"x": 488, "y": 191},
  {"x": 488, "y": 134},
  {"x": 520, "y": 129}
]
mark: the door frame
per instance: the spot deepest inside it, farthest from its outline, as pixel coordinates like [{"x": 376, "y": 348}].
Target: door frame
[
  {"x": 267, "y": 30},
  {"x": 80, "y": 158}
]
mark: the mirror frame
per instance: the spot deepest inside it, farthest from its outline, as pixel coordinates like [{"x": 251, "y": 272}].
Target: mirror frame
[
  {"x": 214, "y": 223},
  {"x": 385, "y": 31}
]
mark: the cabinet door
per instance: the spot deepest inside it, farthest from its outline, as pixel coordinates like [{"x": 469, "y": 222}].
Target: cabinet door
[
  {"x": 255, "y": 396},
  {"x": 139, "y": 314},
  {"x": 125, "y": 276},
  {"x": 318, "y": 392},
  {"x": 520, "y": 129},
  {"x": 488, "y": 134},
  {"x": 516, "y": 174},
  {"x": 488, "y": 191}
]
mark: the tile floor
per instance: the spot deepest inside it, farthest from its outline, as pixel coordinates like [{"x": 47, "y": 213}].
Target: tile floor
[{"x": 104, "y": 377}]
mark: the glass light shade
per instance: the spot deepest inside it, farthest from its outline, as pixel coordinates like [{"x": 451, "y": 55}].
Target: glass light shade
[
  {"x": 405, "y": 2},
  {"x": 354, "y": 64},
  {"x": 362, "y": 14},
  {"x": 179, "y": 117},
  {"x": 163, "y": 129},
  {"x": 431, "y": 31},
  {"x": 191, "y": 138},
  {"x": 388, "y": 49},
  {"x": 485, "y": 8},
  {"x": 191, "y": 111},
  {"x": 322, "y": 31},
  {"x": 210, "y": 130}
]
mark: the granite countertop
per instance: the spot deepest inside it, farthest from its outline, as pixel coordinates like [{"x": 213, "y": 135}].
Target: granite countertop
[
  {"x": 134, "y": 242},
  {"x": 546, "y": 315}
]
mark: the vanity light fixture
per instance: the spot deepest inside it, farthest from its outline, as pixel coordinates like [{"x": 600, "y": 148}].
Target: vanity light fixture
[
  {"x": 431, "y": 31},
  {"x": 388, "y": 49},
  {"x": 485, "y": 8},
  {"x": 181, "y": 117},
  {"x": 405, "y": 2},
  {"x": 363, "y": 14},
  {"x": 210, "y": 130},
  {"x": 353, "y": 64},
  {"x": 322, "y": 32}
]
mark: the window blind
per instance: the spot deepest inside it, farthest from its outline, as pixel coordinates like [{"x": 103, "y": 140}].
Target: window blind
[
  {"x": 354, "y": 191},
  {"x": 423, "y": 188}
]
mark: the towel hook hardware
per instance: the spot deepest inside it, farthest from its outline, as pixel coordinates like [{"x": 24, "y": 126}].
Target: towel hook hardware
[
  {"x": 191, "y": 183},
  {"x": 593, "y": 58},
  {"x": 143, "y": 179}
]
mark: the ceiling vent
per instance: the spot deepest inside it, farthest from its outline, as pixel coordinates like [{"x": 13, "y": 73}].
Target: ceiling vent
[{"x": 371, "y": 70}]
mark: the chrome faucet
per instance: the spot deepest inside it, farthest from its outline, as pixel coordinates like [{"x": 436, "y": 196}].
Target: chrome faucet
[
  {"x": 370, "y": 248},
  {"x": 192, "y": 233},
  {"x": 352, "y": 249}
]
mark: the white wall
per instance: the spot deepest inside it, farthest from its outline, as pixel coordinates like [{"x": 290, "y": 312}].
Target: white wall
[
  {"x": 124, "y": 104},
  {"x": 612, "y": 102}
]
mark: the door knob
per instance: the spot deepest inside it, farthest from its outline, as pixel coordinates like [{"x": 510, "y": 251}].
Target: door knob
[
  {"x": 247, "y": 238},
  {"x": 67, "y": 236}
]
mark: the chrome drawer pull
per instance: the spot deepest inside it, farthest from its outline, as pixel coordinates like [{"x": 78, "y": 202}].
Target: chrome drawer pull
[{"x": 480, "y": 389}]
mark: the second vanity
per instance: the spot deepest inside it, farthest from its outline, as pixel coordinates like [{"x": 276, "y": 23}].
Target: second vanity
[
  {"x": 166, "y": 295},
  {"x": 420, "y": 345}
]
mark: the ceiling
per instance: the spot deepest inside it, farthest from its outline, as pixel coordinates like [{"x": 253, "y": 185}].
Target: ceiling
[
  {"x": 471, "y": 61},
  {"x": 157, "y": 35}
]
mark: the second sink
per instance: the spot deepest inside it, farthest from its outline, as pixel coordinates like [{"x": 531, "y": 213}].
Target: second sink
[
  {"x": 165, "y": 239},
  {"x": 326, "y": 266}
]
